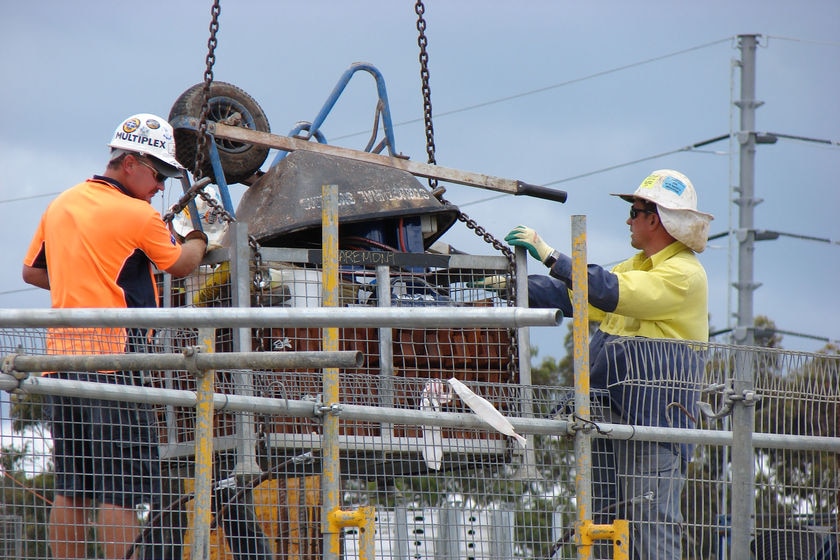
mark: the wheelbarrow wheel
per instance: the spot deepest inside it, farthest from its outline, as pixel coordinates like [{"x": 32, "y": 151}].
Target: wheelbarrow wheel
[{"x": 228, "y": 104}]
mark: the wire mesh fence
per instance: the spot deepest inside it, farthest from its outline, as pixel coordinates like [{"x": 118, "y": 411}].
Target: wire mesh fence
[
  {"x": 440, "y": 489},
  {"x": 485, "y": 498},
  {"x": 796, "y": 402}
]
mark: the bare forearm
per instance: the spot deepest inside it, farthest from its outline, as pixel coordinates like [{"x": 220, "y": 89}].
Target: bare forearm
[
  {"x": 192, "y": 252},
  {"x": 36, "y": 277}
]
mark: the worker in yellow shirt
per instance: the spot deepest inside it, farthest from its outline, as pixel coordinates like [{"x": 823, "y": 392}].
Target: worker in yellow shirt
[{"x": 661, "y": 295}]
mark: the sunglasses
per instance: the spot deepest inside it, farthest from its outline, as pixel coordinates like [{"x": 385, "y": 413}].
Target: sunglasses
[
  {"x": 159, "y": 177},
  {"x": 634, "y": 212}
]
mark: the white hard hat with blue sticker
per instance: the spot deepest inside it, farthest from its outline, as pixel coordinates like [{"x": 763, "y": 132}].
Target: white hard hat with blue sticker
[{"x": 676, "y": 201}]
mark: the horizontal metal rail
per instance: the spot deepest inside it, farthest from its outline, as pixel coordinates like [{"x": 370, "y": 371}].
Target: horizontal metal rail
[
  {"x": 399, "y": 317},
  {"x": 308, "y": 409},
  {"x": 379, "y": 444},
  {"x": 190, "y": 359}
]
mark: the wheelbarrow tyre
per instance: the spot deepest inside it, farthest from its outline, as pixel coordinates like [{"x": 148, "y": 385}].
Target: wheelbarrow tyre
[{"x": 239, "y": 160}]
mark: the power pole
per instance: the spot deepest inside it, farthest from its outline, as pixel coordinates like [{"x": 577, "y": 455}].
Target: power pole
[
  {"x": 744, "y": 333},
  {"x": 743, "y": 412}
]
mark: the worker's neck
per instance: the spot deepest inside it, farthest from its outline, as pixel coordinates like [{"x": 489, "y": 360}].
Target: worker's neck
[{"x": 657, "y": 244}]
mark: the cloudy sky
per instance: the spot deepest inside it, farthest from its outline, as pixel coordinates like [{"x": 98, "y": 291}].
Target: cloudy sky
[{"x": 588, "y": 97}]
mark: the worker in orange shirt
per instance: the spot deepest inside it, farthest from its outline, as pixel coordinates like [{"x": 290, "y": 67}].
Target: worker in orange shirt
[{"x": 97, "y": 246}]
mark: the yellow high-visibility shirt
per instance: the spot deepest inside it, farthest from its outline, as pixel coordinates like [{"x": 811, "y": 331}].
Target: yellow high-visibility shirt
[{"x": 664, "y": 296}]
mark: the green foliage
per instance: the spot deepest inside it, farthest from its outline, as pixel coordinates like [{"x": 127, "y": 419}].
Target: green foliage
[
  {"x": 551, "y": 371},
  {"x": 535, "y": 529},
  {"x": 800, "y": 399},
  {"x": 27, "y": 411},
  {"x": 546, "y": 373},
  {"x": 20, "y": 496}
]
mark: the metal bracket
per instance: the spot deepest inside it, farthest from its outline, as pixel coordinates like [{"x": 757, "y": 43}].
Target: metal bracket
[
  {"x": 190, "y": 353},
  {"x": 334, "y": 409},
  {"x": 747, "y": 398},
  {"x": 9, "y": 366}
]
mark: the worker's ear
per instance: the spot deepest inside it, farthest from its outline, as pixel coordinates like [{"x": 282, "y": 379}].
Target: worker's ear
[{"x": 655, "y": 220}]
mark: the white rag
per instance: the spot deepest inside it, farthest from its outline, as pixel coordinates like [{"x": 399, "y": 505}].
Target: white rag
[
  {"x": 485, "y": 410},
  {"x": 434, "y": 394}
]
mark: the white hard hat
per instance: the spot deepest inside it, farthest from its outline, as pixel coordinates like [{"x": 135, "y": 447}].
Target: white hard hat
[
  {"x": 148, "y": 135},
  {"x": 676, "y": 201}
]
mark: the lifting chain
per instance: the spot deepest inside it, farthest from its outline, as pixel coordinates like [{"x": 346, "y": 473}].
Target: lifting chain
[
  {"x": 426, "y": 90},
  {"x": 217, "y": 210},
  {"x": 260, "y": 279},
  {"x": 201, "y": 140},
  {"x": 422, "y": 42}
]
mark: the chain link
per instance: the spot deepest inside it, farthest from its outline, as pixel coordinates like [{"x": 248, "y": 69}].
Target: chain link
[
  {"x": 217, "y": 210},
  {"x": 201, "y": 140},
  {"x": 259, "y": 287},
  {"x": 426, "y": 90}
]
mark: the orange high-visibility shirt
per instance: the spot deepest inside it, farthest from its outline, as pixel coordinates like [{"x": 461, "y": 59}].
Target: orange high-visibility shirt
[{"x": 98, "y": 245}]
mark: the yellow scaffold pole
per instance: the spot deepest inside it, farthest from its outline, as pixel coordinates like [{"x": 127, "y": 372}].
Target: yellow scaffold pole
[
  {"x": 202, "y": 514},
  {"x": 333, "y": 519},
  {"x": 585, "y": 530}
]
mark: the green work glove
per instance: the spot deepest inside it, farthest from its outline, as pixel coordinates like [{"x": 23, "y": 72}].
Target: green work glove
[
  {"x": 496, "y": 283},
  {"x": 523, "y": 236}
]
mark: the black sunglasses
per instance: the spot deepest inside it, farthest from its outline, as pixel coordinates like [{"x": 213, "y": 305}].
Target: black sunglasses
[
  {"x": 159, "y": 177},
  {"x": 634, "y": 212}
]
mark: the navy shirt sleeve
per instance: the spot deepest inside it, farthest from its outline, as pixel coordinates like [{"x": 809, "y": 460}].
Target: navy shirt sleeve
[
  {"x": 547, "y": 292},
  {"x": 603, "y": 284}
]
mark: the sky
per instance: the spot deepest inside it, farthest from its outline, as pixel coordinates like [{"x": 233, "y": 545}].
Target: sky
[{"x": 588, "y": 97}]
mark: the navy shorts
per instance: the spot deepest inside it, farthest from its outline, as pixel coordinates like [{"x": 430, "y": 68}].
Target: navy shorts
[{"x": 105, "y": 451}]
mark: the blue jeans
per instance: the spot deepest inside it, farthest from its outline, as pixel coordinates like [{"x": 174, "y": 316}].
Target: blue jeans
[{"x": 642, "y": 482}]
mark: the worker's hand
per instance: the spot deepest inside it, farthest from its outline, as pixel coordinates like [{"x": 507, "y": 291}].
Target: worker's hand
[
  {"x": 496, "y": 283},
  {"x": 196, "y": 234},
  {"x": 523, "y": 236}
]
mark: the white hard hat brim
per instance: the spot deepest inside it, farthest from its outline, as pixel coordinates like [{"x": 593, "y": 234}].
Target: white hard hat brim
[
  {"x": 687, "y": 225},
  {"x": 167, "y": 169},
  {"x": 631, "y": 197},
  {"x": 161, "y": 166},
  {"x": 627, "y": 197}
]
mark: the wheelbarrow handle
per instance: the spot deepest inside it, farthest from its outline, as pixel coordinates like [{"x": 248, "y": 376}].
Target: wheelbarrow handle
[
  {"x": 540, "y": 192},
  {"x": 416, "y": 168}
]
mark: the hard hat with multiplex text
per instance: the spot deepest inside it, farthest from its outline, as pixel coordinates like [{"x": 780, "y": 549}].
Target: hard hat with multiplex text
[
  {"x": 148, "y": 135},
  {"x": 676, "y": 201}
]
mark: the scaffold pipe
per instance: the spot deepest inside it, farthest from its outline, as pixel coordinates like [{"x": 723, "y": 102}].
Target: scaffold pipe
[{"x": 256, "y": 317}]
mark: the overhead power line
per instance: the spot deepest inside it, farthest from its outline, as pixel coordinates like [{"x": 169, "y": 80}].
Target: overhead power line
[
  {"x": 34, "y": 196},
  {"x": 768, "y": 138},
  {"x": 551, "y": 87},
  {"x": 770, "y": 332},
  {"x": 802, "y": 138},
  {"x": 10, "y": 292},
  {"x": 795, "y": 40},
  {"x": 770, "y": 235},
  {"x": 689, "y": 148},
  {"x": 648, "y": 158}
]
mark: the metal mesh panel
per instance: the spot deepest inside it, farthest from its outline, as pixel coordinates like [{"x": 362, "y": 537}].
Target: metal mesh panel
[
  {"x": 486, "y": 497},
  {"x": 793, "y": 394}
]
